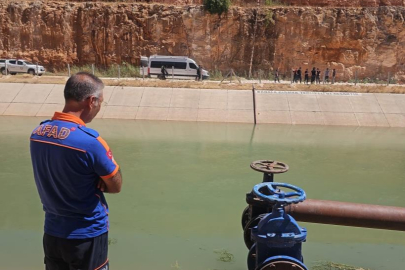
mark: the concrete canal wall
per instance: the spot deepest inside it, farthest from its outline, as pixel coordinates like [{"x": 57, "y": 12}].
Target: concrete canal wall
[{"x": 176, "y": 104}]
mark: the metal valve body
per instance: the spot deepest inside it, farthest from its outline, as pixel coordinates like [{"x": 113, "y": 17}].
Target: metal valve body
[{"x": 278, "y": 237}]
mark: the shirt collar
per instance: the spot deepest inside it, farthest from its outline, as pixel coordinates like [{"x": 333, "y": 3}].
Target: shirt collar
[{"x": 68, "y": 117}]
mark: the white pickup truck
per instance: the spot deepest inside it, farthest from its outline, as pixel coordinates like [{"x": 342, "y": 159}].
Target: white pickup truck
[{"x": 15, "y": 66}]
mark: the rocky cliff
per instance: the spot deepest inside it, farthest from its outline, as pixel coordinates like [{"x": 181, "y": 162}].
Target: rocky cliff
[
  {"x": 250, "y": 3},
  {"x": 370, "y": 40}
]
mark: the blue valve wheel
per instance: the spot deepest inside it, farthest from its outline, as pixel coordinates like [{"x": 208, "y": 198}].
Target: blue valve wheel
[
  {"x": 272, "y": 193},
  {"x": 269, "y": 166}
]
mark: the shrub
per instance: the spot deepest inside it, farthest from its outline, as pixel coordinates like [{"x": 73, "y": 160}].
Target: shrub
[
  {"x": 274, "y": 3},
  {"x": 217, "y": 6}
]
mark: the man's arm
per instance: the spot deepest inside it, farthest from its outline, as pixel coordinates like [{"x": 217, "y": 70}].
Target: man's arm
[{"x": 111, "y": 185}]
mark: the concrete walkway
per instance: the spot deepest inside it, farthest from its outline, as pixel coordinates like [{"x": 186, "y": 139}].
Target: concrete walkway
[{"x": 177, "y": 104}]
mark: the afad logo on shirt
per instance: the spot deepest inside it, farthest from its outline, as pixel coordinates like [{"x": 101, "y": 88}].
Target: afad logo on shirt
[{"x": 109, "y": 154}]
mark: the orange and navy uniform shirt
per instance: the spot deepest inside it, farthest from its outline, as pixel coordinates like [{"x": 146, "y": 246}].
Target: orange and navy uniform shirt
[{"x": 68, "y": 160}]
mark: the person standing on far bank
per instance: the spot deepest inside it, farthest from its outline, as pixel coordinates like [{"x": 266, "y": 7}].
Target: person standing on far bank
[
  {"x": 306, "y": 80},
  {"x": 163, "y": 72},
  {"x": 318, "y": 76},
  {"x": 197, "y": 78},
  {"x": 276, "y": 76},
  {"x": 333, "y": 76},
  {"x": 200, "y": 73},
  {"x": 313, "y": 75},
  {"x": 73, "y": 168},
  {"x": 299, "y": 75},
  {"x": 326, "y": 76}
]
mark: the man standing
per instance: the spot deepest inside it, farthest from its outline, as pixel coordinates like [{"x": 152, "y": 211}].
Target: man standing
[
  {"x": 318, "y": 76},
  {"x": 333, "y": 76},
  {"x": 197, "y": 78},
  {"x": 163, "y": 72},
  {"x": 276, "y": 76},
  {"x": 313, "y": 75},
  {"x": 199, "y": 73},
  {"x": 306, "y": 76},
  {"x": 294, "y": 75},
  {"x": 299, "y": 75},
  {"x": 73, "y": 167},
  {"x": 326, "y": 76}
]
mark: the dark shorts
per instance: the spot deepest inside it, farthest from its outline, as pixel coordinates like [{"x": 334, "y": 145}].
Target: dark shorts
[{"x": 75, "y": 254}]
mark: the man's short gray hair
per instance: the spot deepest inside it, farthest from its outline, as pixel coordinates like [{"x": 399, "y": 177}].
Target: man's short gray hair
[{"x": 81, "y": 86}]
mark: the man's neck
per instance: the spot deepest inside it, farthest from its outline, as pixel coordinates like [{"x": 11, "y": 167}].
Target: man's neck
[{"x": 73, "y": 111}]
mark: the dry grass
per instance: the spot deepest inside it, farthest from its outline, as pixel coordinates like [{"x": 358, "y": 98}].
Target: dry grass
[{"x": 245, "y": 85}]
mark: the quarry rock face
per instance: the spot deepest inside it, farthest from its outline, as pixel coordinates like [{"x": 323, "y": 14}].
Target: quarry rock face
[
  {"x": 367, "y": 41},
  {"x": 345, "y": 3}
]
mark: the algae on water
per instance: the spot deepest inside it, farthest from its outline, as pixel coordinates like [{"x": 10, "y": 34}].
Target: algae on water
[
  {"x": 335, "y": 266},
  {"x": 224, "y": 255}
]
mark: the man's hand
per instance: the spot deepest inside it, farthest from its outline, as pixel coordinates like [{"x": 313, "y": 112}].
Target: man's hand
[
  {"x": 111, "y": 185},
  {"x": 101, "y": 185}
]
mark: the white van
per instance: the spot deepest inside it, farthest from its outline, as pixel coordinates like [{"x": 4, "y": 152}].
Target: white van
[{"x": 182, "y": 67}]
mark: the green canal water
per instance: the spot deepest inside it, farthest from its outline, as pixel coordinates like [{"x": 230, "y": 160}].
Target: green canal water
[{"x": 185, "y": 184}]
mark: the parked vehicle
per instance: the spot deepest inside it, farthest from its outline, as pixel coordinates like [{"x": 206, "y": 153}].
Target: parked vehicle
[
  {"x": 143, "y": 69},
  {"x": 178, "y": 67},
  {"x": 15, "y": 66},
  {"x": 2, "y": 65}
]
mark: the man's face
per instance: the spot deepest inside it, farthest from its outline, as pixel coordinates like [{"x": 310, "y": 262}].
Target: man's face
[{"x": 93, "y": 107}]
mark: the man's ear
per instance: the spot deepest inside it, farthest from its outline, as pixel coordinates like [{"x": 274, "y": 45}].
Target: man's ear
[{"x": 91, "y": 102}]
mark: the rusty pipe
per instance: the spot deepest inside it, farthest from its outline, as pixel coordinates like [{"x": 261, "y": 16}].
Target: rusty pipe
[{"x": 349, "y": 214}]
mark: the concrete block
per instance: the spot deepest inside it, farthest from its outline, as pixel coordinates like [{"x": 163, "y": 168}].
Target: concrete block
[
  {"x": 365, "y": 103},
  {"x": 303, "y": 103},
  {"x": 23, "y": 109},
  {"x": 212, "y": 115},
  {"x": 240, "y": 100},
  {"x": 213, "y": 99},
  {"x": 307, "y": 118},
  {"x": 372, "y": 120},
  {"x": 8, "y": 91},
  {"x": 388, "y": 102},
  {"x": 120, "y": 112},
  {"x": 274, "y": 117},
  {"x": 107, "y": 93},
  {"x": 127, "y": 96},
  {"x": 56, "y": 96},
  {"x": 156, "y": 97},
  {"x": 152, "y": 113},
  {"x": 3, "y": 107},
  {"x": 34, "y": 93},
  {"x": 240, "y": 116},
  {"x": 396, "y": 120},
  {"x": 49, "y": 109},
  {"x": 399, "y": 101},
  {"x": 185, "y": 98},
  {"x": 340, "y": 119},
  {"x": 271, "y": 102},
  {"x": 334, "y": 104},
  {"x": 183, "y": 114}
]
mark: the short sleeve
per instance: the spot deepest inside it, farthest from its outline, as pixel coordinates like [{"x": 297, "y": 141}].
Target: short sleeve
[{"x": 103, "y": 161}]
